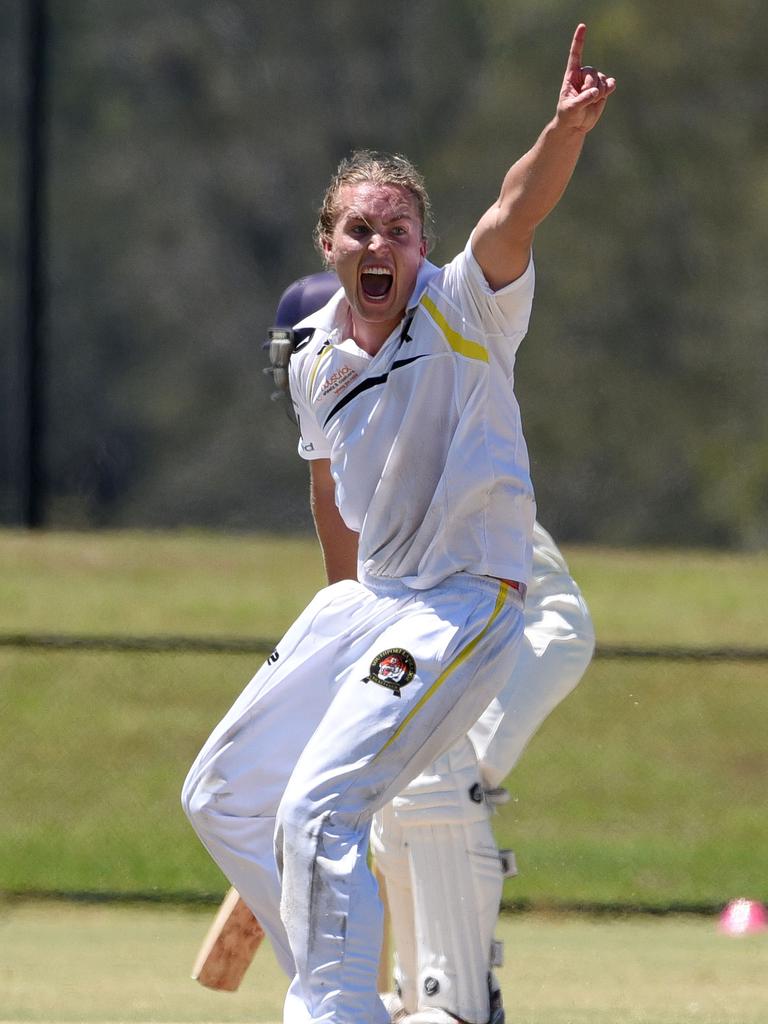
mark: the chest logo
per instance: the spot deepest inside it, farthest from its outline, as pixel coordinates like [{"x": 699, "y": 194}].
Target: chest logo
[
  {"x": 393, "y": 668},
  {"x": 338, "y": 381}
]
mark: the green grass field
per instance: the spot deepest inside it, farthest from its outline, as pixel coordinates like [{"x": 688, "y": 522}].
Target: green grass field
[
  {"x": 646, "y": 787},
  {"x": 254, "y": 585},
  {"x": 98, "y": 965}
]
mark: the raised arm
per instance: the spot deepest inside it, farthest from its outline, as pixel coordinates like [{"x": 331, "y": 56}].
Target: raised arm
[
  {"x": 534, "y": 184},
  {"x": 338, "y": 542}
]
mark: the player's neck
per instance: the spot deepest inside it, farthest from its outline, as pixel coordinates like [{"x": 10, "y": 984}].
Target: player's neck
[{"x": 370, "y": 337}]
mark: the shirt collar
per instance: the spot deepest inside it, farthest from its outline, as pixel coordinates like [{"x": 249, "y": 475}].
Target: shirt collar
[
  {"x": 334, "y": 312},
  {"x": 426, "y": 272}
]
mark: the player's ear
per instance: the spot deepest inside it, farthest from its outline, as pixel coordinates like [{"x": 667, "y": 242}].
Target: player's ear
[{"x": 327, "y": 252}]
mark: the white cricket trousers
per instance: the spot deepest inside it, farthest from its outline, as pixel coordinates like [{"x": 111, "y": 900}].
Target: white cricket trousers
[{"x": 328, "y": 731}]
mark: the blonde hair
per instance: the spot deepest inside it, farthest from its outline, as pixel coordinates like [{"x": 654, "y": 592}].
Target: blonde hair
[{"x": 366, "y": 165}]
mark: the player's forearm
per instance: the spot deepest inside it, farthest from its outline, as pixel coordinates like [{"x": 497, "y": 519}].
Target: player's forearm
[
  {"x": 535, "y": 183},
  {"x": 337, "y": 541},
  {"x": 339, "y": 546},
  {"x": 531, "y": 189}
]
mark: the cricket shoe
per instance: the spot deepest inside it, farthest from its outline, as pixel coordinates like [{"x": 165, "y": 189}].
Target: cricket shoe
[
  {"x": 432, "y": 1015},
  {"x": 436, "y": 1015},
  {"x": 393, "y": 1004}
]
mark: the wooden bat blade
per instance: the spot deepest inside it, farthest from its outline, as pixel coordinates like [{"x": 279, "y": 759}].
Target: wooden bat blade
[{"x": 229, "y": 946}]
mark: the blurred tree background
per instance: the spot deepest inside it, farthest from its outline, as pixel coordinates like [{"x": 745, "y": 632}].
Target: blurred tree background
[{"x": 189, "y": 146}]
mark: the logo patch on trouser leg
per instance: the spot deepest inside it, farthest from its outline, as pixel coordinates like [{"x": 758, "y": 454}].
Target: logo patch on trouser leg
[{"x": 393, "y": 668}]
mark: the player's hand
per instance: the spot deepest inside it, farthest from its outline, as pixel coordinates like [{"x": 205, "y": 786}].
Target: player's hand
[{"x": 584, "y": 91}]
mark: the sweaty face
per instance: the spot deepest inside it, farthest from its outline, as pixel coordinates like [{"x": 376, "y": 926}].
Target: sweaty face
[{"x": 376, "y": 249}]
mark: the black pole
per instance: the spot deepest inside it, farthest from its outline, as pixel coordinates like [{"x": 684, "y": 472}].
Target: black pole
[{"x": 34, "y": 187}]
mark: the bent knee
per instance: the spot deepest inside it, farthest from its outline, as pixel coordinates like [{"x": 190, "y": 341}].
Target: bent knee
[
  {"x": 201, "y": 799},
  {"x": 581, "y": 649},
  {"x": 583, "y": 633},
  {"x": 190, "y": 797}
]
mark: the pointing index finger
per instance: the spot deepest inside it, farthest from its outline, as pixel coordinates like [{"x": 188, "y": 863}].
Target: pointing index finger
[{"x": 577, "y": 48}]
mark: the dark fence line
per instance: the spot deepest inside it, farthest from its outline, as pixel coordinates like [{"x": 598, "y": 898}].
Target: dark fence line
[
  {"x": 257, "y": 645},
  {"x": 142, "y": 644},
  {"x": 189, "y": 899}
]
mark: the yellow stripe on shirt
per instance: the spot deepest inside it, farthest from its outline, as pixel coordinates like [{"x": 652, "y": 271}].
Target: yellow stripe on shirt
[
  {"x": 460, "y": 658},
  {"x": 320, "y": 358},
  {"x": 460, "y": 344}
]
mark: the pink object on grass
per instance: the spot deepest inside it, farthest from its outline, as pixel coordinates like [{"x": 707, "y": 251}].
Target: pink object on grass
[{"x": 743, "y": 916}]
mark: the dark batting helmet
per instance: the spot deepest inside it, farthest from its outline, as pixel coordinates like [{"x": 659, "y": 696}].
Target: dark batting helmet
[{"x": 297, "y": 302}]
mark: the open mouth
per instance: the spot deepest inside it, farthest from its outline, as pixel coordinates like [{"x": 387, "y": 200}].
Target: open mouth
[{"x": 376, "y": 282}]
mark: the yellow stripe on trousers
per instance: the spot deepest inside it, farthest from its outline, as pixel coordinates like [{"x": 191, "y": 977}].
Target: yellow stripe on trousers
[{"x": 460, "y": 658}]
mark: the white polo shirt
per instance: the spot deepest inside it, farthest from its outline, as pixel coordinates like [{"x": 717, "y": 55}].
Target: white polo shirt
[{"x": 424, "y": 438}]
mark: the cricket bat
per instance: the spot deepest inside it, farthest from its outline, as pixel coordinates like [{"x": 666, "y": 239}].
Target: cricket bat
[
  {"x": 229, "y": 946},
  {"x": 235, "y": 935}
]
